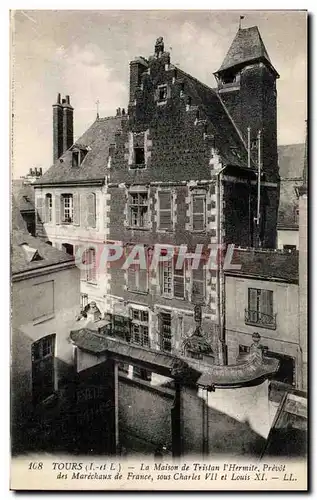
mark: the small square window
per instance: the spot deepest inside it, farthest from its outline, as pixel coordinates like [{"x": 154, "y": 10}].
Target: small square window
[{"x": 162, "y": 93}]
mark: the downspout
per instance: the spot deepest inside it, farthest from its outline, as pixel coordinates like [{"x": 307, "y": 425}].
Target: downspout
[
  {"x": 223, "y": 352},
  {"x": 249, "y": 189},
  {"x": 258, "y": 211},
  {"x": 249, "y": 147}
]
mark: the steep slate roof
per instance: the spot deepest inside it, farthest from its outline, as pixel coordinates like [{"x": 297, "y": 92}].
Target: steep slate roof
[
  {"x": 291, "y": 161},
  {"x": 247, "y": 46},
  {"x": 265, "y": 265},
  {"x": 19, "y": 258},
  {"x": 98, "y": 137},
  {"x": 226, "y": 135},
  {"x": 17, "y": 221},
  {"x": 23, "y": 195}
]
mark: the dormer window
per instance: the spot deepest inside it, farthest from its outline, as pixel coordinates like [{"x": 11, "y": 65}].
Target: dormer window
[
  {"x": 31, "y": 253},
  {"x": 78, "y": 157},
  {"x": 75, "y": 159}
]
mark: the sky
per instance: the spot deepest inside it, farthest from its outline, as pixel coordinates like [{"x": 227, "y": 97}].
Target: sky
[{"x": 86, "y": 55}]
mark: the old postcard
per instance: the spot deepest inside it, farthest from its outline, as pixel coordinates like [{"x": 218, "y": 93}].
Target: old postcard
[{"x": 159, "y": 250}]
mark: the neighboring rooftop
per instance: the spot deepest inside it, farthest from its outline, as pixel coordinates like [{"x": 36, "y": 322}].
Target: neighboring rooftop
[
  {"x": 29, "y": 253},
  {"x": 17, "y": 221},
  {"x": 274, "y": 265},
  {"x": 247, "y": 46},
  {"x": 23, "y": 195},
  {"x": 96, "y": 140}
]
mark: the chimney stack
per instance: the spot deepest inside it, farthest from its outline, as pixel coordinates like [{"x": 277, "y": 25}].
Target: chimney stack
[
  {"x": 137, "y": 67},
  {"x": 57, "y": 128},
  {"x": 63, "y": 135}
]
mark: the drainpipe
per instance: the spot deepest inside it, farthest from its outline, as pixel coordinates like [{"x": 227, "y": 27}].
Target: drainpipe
[
  {"x": 258, "y": 212},
  {"x": 249, "y": 147},
  {"x": 223, "y": 353}
]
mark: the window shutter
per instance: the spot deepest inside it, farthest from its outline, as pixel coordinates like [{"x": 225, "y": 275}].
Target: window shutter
[
  {"x": 91, "y": 209},
  {"x": 179, "y": 283},
  {"x": 142, "y": 280},
  {"x": 252, "y": 299},
  {"x": 131, "y": 278},
  {"x": 76, "y": 209},
  {"x": 57, "y": 209},
  {"x": 168, "y": 92},
  {"x": 266, "y": 304},
  {"x": 198, "y": 212},
  {"x": 165, "y": 210}
]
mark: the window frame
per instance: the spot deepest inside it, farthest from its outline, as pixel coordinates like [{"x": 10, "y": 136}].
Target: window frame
[
  {"x": 138, "y": 206},
  {"x": 164, "y": 338},
  {"x": 161, "y": 88},
  {"x": 70, "y": 208},
  {"x": 137, "y": 320},
  {"x": 203, "y": 196},
  {"x": 136, "y": 164},
  {"x": 175, "y": 273},
  {"x": 136, "y": 280},
  {"x": 256, "y": 317},
  {"x": 166, "y": 210}
]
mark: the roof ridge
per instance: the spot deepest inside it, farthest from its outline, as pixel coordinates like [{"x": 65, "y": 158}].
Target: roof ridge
[{"x": 108, "y": 118}]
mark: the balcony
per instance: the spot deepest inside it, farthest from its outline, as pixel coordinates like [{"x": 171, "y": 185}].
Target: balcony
[{"x": 262, "y": 320}]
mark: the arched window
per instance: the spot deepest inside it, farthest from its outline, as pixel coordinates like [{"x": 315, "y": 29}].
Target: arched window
[{"x": 48, "y": 207}]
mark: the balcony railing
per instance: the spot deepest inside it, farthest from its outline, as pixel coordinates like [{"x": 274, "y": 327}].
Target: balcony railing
[{"x": 260, "y": 319}]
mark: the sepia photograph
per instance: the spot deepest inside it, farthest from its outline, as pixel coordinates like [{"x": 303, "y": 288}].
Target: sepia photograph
[{"x": 159, "y": 185}]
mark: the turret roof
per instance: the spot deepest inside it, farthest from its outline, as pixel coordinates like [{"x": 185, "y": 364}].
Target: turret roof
[{"x": 247, "y": 46}]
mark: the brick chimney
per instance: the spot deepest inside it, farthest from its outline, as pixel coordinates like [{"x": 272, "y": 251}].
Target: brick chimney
[
  {"x": 138, "y": 66},
  {"x": 68, "y": 124},
  {"x": 63, "y": 135},
  {"x": 57, "y": 129}
]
